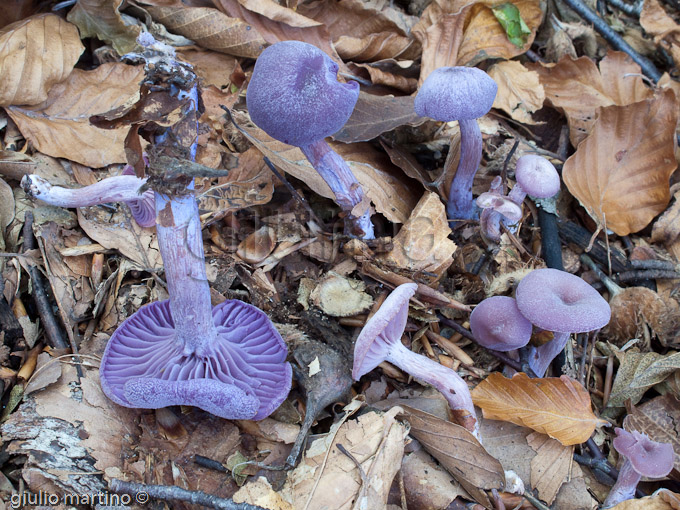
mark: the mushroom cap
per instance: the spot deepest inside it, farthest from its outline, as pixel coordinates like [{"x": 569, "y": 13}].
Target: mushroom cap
[
  {"x": 294, "y": 94},
  {"x": 649, "y": 458},
  {"x": 382, "y": 331},
  {"x": 245, "y": 377},
  {"x": 497, "y": 324},
  {"x": 456, "y": 93},
  {"x": 502, "y": 205},
  {"x": 143, "y": 209},
  {"x": 555, "y": 300},
  {"x": 537, "y": 176}
]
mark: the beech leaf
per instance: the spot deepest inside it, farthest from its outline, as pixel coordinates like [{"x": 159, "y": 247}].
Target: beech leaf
[
  {"x": 638, "y": 372},
  {"x": 101, "y": 19},
  {"x": 36, "y": 53},
  {"x": 620, "y": 173},
  {"x": 558, "y": 407},
  {"x": 665, "y": 30},
  {"x": 520, "y": 92}
]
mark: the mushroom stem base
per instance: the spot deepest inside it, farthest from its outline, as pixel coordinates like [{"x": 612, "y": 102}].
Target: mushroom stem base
[{"x": 624, "y": 488}]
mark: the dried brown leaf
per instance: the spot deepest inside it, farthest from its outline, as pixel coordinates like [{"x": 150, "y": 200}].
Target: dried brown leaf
[
  {"x": 374, "y": 115},
  {"x": 550, "y": 467},
  {"x": 388, "y": 190},
  {"x": 7, "y": 210},
  {"x": 212, "y": 67},
  {"x": 558, "y": 407},
  {"x": 638, "y": 372},
  {"x": 423, "y": 242},
  {"x": 211, "y": 29},
  {"x": 101, "y": 19},
  {"x": 665, "y": 30},
  {"x": 620, "y": 172},
  {"x": 659, "y": 418},
  {"x": 458, "y": 451},
  {"x": 577, "y": 87},
  {"x": 666, "y": 229},
  {"x": 35, "y": 54},
  {"x": 391, "y": 74},
  {"x": 663, "y": 499},
  {"x": 519, "y": 91},
  {"x": 436, "y": 490},
  {"x": 60, "y": 125}
]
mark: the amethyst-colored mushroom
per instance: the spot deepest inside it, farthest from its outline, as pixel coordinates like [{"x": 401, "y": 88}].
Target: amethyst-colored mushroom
[
  {"x": 557, "y": 301},
  {"x": 641, "y": 457},
  {"x": 380, "y": 340},
  {"x": 535, "y": 176},
  {"x": 497, "y": 324},
  {"x": 120, "y": 188},
  {"x": 295, "y": 97},
  {"x": 463, "y": 94}
]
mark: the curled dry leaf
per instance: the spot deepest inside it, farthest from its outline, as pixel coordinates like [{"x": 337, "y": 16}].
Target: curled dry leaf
[
  {"x": 620, "y": 172},
  {"x": 339, "y": 296},
  {"x": 550, "y": 467},
  {"x": 258, "y": 245},
  {"x": 423, "y": 242},
  {"x": 36, "y": 53},
  {"x": 577, "y": 87},
  {"x": 665, "y": 30},
  {"x": 101, "y": 19},
  {"x": 520, "y": 92},
  {"x": 663, "y": 499},
  {"x": 559, "y": 408},
  {"x": 211, "y": 29},
  {"x": 638, "y": 372},
  {"x": 60, "y": 125}
]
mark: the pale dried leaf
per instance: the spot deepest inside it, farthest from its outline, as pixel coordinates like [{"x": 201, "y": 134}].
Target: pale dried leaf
[
  {"x": 101, "y": 19},
  {"x": 519, "y": 91},
  {"x": 259, "y": 492},
  {"x": 211, "y": 29},
  {"x": 372, "y": 47},
  {"x": 390, "y": 74},
  {"x": 35, "y": 54},
  {"x": 663, "y": 499},
  {"x": 577, "y": 87},
  {"x": 60, "y": 126},
  {"x": 558, "y": 407},
  {"x": 423, "y": 242},
  {"x": 665, "y": 30},
  {"x": 7, "y": 210},
  {"x": 436, "y": 490},
  {"x": 550, "y": 467},
  {"x": 374, "y": 115},
  {"x": 638, "y": 372},
  {"x": 666, "y": 229},
  {"x": 339, "y": 296},
  {"x": 620, "y": 172},
  {"x": 47, "y": 371}
]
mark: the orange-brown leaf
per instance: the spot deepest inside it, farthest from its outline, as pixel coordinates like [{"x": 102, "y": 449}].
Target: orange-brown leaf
[
  {"x": 559, "y": 408},
  {"x": 665, "y": 30},
  {"x": 620, "y": 172}
]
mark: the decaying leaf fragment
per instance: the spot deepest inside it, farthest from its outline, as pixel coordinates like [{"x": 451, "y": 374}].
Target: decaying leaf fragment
[
  {"x": 558, "y": 407},
  {"x": 423, "y": 242},
  {"x": 520, "y": 92},
  {"x": 339, "y": 296},
  {"x": 550, "y": 467},
  {"x": 621, "y": 172},
  {"x": 638, "y": 372},
  {"x": 665, "y": 30},
  {"x": 103, "y": 20}
]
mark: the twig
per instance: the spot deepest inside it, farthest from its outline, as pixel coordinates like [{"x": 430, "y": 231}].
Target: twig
[
  {"x": 534, "y": 501},
  {"x": 53, "y": 331},
  {"x": 209, "y": 463},
  {"x": 613, "y": 38},
  {"x": 653, "y": 264},
  {"x": 551, "y": 247},
  {"x": 171, "y": 493},
  {"x": 630, "y": 9},
  {"x": 645, "y": 274}
]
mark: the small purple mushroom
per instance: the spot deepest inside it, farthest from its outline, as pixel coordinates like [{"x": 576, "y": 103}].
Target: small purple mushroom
[
  {"x": 380, "y": 340},
  {"x": 463, "y": 94},
  {"x": 641, "y": 457},
  {"x": 557, "y": 301},
  {"x": 120, "y": 188},
  {"x": 497, "y": 324},
  {"x": 295, "y": 97},
  {"x": 536, "y": 176}
]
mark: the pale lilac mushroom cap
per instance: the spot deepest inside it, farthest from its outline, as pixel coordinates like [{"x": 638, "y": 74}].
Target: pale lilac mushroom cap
[
  {"x": 295, "y": 96},
  {"x": 243, "y": 376},
  {"x": 456, "y": 93},
  {"x": 555, "y": 300},
  {"x": 497, "y": 324},
  {"x": 537, "y": 176},
  {"x": 382, "y": 330}
]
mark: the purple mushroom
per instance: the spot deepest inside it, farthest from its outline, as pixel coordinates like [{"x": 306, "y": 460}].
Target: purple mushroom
[
  {"x": 495, "y": 205},
  {"x": 380, "y": 340},
  {"x": 497, "y": 324},
  {"x": 295, "y": 97},
  {"x": 228, "y": 360},
  {"x": 120, "y": 188},
  {"x": 557, "y": 301},
  {"x": 536, "y": 176},
  {"x": 463, "y": 94},
  {"x": 641, "y": 457}
]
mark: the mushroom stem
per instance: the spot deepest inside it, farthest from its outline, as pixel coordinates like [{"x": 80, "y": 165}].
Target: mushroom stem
[
  {"x": 344, "y": 185},
  {"x": 541, "y": 357},
  {"x": 460, "y": 205},
  {"x": 445, "y": 380},
  {"x": 624, "y": 488}
]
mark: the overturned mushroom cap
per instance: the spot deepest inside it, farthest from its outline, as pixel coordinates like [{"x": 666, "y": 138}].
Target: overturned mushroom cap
[
  {"x": 497, "y": 324},
  {"x": 295, "y": 96},
  {"x": 555, "y": 300},
  {"x": 649, "y": 458},
  {"x": 537, "y": 176},
  {"x": 456, "y": 93},
  {"x": 245, "y": 375},
  {"x": 382, "y": 330}
]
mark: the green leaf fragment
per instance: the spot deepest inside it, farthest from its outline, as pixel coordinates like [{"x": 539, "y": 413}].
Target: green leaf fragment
[{"x": 509, "y": 17}]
